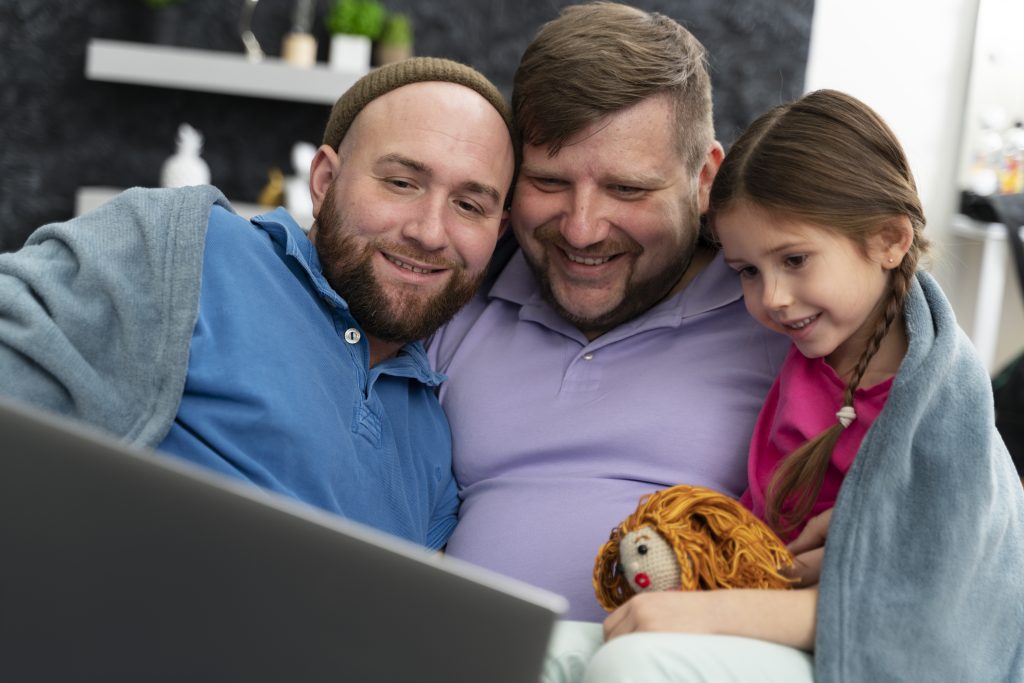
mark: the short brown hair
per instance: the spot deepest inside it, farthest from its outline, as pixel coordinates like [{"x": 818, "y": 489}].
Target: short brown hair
[{"x": 599, "y": 58}]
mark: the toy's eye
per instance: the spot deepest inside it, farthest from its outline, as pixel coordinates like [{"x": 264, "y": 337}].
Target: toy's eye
[{"x": 642, "y": 549}]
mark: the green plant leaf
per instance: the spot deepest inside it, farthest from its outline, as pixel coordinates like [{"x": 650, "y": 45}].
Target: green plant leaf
[{"x": 356, "y": 17}]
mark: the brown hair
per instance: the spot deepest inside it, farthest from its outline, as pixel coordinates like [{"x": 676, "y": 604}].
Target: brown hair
[
  {"x": 599, "y": 58},
  {"x": 829, "y": 160},
  {"x": 717, "y": 541}
]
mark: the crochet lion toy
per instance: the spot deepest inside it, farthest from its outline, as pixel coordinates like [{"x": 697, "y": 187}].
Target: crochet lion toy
[{"x": 688, "y": 538}]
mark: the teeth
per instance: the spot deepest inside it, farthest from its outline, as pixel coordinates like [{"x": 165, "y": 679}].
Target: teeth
[
  {"x": 403, "y": 264},
  {"x": 588, "y": 261},
  {"x": 800, "y": 324}
]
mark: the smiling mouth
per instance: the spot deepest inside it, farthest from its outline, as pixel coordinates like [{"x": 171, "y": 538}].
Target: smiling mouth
[
  {"x": 410, "y": 267},
  {"x": 801, "y": 324},
  {"x": 588, "y": 260}
]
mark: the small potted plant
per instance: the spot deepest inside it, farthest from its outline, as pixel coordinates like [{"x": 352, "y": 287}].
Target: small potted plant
[
  {"x": 395, "y": 41},
  {"x": 353, "y": 25}
]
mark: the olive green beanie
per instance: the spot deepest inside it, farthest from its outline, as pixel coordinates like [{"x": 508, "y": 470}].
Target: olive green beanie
[{"x": 396, "y": 74}]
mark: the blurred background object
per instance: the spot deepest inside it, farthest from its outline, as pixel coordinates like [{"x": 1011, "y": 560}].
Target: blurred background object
[
  {"x": 185, "y": 166},
  {"x": 252, "y": 46},
  {"x": 354, "y": 25},
  {"x": 299, "y": 45},
  {"x": 296, "y": 189},
  {"x": 395, "y": 42}
]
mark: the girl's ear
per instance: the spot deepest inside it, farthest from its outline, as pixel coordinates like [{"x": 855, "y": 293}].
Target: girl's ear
[{"x": 891, "y": 243}]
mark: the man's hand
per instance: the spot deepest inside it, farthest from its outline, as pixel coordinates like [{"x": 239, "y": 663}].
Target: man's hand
[{"x": 809, "y": 550}]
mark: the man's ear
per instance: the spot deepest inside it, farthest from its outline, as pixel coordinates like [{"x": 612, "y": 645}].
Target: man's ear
[
  {"x": 322, "y": 173},
  {"x": 503, "y": 226},
  {"x": 892, "y": 242},
  {"x": 712, "y": 161}
]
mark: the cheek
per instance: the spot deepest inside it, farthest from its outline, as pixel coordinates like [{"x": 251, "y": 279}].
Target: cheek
[
  {"x": 752, "y": 298},
  {"x": 475, "y": 245},
  {"x": 531, "y": 208},
  {"x": 660, "y": 228}
]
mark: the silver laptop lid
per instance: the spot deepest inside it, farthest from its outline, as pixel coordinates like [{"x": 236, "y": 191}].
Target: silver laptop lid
[{"x": 122, "y": 565}]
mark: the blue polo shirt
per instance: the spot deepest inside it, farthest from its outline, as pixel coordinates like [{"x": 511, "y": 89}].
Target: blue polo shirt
[{"x": 280, "y": 393}]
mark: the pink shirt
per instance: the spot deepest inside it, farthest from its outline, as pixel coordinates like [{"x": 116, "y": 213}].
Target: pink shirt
[{"x": 801, "y": 404}]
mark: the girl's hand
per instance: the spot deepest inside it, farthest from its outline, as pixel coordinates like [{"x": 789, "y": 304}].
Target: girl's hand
[
  {"x": 809, "y": 550},
  {"x": 780, "y": 616},
  {"x": 674, "y": 611}
]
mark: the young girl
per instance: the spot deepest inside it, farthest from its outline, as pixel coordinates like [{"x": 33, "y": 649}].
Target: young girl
[{"x": 881, "y": 410}]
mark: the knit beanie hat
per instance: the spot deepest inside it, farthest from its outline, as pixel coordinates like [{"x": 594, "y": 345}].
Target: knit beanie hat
[{"x": 391, "y": 76}]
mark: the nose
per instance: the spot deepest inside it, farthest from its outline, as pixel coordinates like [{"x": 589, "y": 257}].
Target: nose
[
  {"x": 427, "y": 227},
  {"x": 775, "y": 295},
  {"x": 584, "y": 225}
]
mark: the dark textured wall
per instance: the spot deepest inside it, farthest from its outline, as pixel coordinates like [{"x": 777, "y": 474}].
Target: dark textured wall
[{"x": 59, "y": 131}]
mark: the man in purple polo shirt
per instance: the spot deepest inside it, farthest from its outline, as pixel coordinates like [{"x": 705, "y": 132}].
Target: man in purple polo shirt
[{"x": 612, "y": 355}]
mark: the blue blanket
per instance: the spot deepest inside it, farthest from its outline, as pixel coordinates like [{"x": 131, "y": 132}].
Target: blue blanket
[
  {"x": 923, "y": 576},
  {"x": 97, "y": 313}
]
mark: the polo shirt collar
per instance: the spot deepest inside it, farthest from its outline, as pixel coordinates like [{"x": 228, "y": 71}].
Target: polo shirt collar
[
  {"x": 716, "y": 286},
  {"x": 286, "y": 233}
]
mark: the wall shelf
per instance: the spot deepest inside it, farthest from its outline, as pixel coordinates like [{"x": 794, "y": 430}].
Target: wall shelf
[{"x": 212, "y": 71}]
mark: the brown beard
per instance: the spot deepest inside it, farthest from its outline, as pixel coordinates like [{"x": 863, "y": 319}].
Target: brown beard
[
  {"x": 639, "y": 296},
  {"x": 386, "y": 315}
]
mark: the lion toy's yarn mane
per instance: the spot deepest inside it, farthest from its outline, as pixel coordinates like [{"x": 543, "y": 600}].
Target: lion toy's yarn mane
[{"x": 718, "y": 544}]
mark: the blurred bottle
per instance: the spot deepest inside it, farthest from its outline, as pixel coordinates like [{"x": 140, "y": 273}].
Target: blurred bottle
[
  {"x": 296, "y": 189},
  {"x": 1011, "y": 171},
  {"x": 987, "y": 157},
  {"x": 299, "y": 46}
]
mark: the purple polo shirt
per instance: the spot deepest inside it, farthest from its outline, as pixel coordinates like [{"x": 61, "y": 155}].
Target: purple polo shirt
[{"x": 557, "y": 438}]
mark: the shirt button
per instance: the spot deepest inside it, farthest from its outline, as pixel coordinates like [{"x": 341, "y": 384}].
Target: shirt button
[
  {"x": 588, "y": 356},
  {"x": 352, "y": 335}
]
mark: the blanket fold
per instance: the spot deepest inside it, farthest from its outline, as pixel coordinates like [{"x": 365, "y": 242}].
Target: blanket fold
[
  {"x": 923, "y": 577},
  {"x": 97, "y": 313}
]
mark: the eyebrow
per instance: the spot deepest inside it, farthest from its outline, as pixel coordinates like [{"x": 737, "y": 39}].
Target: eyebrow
[
  {"x": 532, "y": 170},
  {"x": 411, "y": 164},
  {"x": 480, "y": 188},
  {"x": 420, "y": 167},
  {"x": 787, "y": 246},
  {"x": 639, "y": 180}
]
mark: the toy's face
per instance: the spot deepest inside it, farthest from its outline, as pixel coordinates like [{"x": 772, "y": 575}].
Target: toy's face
[{"x": 647, "y": 561}]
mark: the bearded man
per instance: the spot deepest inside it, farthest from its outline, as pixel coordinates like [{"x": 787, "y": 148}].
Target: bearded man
[
  {"x": 611, "y": 355},
  {"x": 285, "y": 360}
]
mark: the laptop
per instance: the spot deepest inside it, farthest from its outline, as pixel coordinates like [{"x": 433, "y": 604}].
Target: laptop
[{"x": 118, "y": 564}]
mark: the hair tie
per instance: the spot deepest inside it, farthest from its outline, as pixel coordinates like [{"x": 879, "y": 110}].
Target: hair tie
[{"x": 846, "y": 416}]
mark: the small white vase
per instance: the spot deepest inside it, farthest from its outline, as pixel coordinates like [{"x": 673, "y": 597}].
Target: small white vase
[{"x": 350, "y": 53}]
